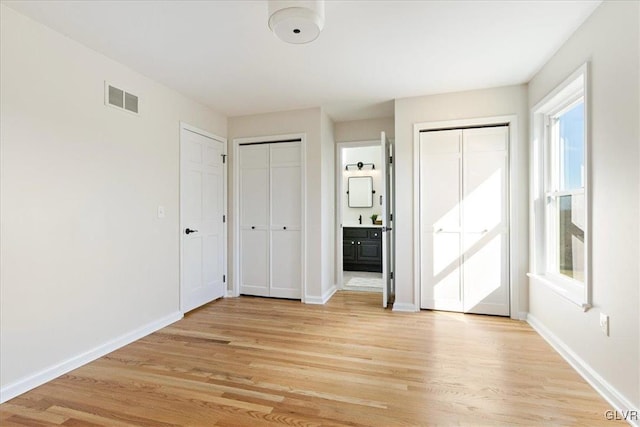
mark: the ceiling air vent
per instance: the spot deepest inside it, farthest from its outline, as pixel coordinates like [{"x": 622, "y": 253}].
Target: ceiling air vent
[{"x": 120, "y": 99}]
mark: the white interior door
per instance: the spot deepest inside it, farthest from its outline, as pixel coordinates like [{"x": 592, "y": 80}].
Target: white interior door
[
  {"x": 385, "y": 208},
  {"x": 440, "y": 220},
  {"x": 485, "y": 241},
  {"x": 254, "y": 219},
  {"x": 202, "y": 186},
  {"x": 286, "y": 219}
]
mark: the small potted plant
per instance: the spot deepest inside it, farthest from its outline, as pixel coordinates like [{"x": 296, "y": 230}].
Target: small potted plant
[{"x": 373, "y": 218}]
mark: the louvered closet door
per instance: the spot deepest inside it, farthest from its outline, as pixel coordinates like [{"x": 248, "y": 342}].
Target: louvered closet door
[
  {"x": 254, "y": 219},
  {"x": 485, "y": 221},
  {"x": 440, "y": 219},
  {"x": 286, "y": 216}
]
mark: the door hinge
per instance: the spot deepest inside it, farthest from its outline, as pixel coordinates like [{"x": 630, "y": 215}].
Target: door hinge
[
  {"x": 224, "y": 218},
  {"x": 391, "y": 275},
  {"x": 390, "y": 217},
  {"x": 224, "y": 278},
  {"x": 224, "y": 158},
  {"x": 390, "y": 159}
]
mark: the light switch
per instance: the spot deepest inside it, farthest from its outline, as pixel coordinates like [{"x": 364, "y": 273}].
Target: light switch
[{"x": 160, "y": 211}]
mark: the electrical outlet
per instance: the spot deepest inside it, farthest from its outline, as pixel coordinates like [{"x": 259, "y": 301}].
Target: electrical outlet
[{"x": 604, "y": 323}]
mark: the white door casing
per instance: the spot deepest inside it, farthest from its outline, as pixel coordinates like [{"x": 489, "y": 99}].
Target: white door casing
[{"x": 202, "y": 217}]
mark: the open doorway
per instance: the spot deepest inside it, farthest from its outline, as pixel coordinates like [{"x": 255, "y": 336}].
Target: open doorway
[{"x": 364, "y": 214}]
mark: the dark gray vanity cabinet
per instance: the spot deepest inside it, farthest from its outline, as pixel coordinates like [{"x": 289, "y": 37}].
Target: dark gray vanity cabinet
[{"x": 362, "y": 249}]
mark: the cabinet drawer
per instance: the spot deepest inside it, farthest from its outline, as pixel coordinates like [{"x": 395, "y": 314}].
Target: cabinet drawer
[
  {"x": 375, "y": 234},
  {"x": 355, "y": 233}
]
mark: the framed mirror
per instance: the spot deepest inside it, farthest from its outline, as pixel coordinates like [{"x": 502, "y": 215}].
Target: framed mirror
[{"x": 360, "y": 191}]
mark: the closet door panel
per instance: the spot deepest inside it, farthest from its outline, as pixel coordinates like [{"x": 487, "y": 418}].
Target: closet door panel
[
  {"x": 254, "y": 260},
  {"x": 486, "y": 289},
  {"x": 440, "y": 193},
  {"x": 254, "y": 185},
  {"x": 286, "y": 220},
  {"x": 286, "y": 264},
  {"x": 485, "y": 221},
  {"x": 286, "y": 153},
  {"x": 254, "y": 220},
  {"x": 286, "y": 206}
]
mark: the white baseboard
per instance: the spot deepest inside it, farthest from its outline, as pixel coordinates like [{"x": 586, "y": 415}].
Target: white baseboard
[
  {"x": 521, "y": 316},
  {"x": 606, "y": 390},
  {"x": 32, "y": 381},
  {"x": 323, "y": 299},
  {"x": 405, "y": 307}
]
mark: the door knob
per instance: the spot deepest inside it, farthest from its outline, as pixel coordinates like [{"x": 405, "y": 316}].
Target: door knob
[{"x": 189, "y": 231}]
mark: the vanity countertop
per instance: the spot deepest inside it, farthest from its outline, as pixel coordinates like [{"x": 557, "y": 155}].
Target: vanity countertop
[{"x": 361, "y": 226}]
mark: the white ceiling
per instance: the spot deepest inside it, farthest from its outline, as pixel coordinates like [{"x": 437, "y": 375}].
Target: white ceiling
[{"x": 222, "y": 53}]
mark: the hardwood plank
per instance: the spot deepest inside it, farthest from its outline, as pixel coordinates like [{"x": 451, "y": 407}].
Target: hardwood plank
[{"x": 258, "y": 361}]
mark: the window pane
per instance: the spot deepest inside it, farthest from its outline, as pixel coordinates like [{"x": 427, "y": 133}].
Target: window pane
[
  {"x": 571, "y": 223},
  {"x": 572, "y": 148}
]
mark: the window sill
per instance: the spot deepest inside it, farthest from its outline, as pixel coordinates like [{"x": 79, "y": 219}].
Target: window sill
[{"x": 565, "y": 288}]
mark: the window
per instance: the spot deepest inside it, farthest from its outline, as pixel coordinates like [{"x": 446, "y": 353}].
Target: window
[{"x": 559, "y": 191}]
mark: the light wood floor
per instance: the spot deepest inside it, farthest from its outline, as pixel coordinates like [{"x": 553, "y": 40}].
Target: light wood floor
[{"x": 257, "y": 361}]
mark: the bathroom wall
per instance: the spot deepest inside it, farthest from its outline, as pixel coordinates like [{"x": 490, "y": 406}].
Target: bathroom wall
[{"x": 352, "y": 155}]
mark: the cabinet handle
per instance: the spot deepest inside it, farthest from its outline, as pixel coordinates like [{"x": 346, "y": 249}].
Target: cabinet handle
[
  {"x": 358, "y": 242},
  {"x": 253, "y": 227},
  {"x": 284, "y": 228},
  {"x": 352, "y": 243}
]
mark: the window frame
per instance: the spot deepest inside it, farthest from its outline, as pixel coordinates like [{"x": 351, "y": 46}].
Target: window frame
[{"x": 545, "y": 193}]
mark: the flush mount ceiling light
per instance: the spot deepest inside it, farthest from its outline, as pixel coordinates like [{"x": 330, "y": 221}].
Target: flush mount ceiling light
[{"x": 296, "y": 21}]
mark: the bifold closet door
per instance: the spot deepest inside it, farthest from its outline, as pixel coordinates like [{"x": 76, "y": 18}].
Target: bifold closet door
[
  {"x": 440, "y": 220},
  {"x": 271, "y": 219},
  {"x": 254, "y": 219},
  {"x": 464, "y": 240},
  {"x": 286, "y": 216},
  {"x": 485, "y": 223}
]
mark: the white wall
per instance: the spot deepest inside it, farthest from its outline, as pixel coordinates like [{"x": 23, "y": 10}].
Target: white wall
[
  {"x": 84, "y": 257},
  {"x": 509, "y": 100},
  {"x": 306, "y": 121},
  {"x": 351, "y": 155},
  {"x": 364, "y": 130},
  {"x": 328, "y": 208},
  {"x": 610, "y": 40}
]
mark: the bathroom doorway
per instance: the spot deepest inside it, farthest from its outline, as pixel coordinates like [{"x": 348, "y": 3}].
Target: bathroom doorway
[{"x": 364, "y": 214}]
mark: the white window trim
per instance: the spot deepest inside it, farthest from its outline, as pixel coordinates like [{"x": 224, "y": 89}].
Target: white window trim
[{"x": 565, "y": 94}]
